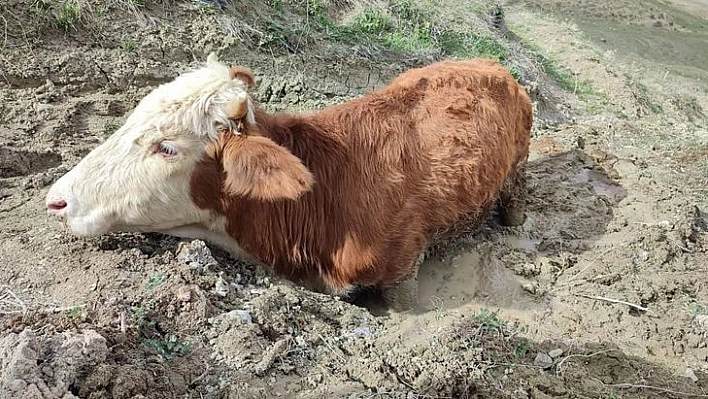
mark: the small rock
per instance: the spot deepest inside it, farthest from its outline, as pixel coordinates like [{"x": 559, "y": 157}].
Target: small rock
[
  {"x": 543, "y": 360},
  {"x": 17, "y": 385},
  {"x": 241, "y": 315},
  {"x": 361, "y": 332},
  {"x": 221, "y": 287},
  {"x": 196, "y": 255},
  {"x": 690, "y": 374},
  {"x": 530, "y": 287},
  {"x": 580, "y": 141},
  {"x": 555, "y": 353},
  {"x": 701, "y": 320},
  {"x": 184, "y": 294}
]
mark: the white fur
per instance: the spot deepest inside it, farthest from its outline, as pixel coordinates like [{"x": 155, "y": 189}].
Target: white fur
[{"x": 122, "y": 185}]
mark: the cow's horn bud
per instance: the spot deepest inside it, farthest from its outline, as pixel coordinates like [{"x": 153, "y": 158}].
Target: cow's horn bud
[{"x": 238, "y": 107}]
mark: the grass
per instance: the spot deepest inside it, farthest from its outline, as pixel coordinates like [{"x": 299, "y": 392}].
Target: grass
[
  {"x": 642, "y": 91},
  {"x": 129, "y": 45},
  {"x": 68, "y": 14},
  {"x": 402, "y": 27}
]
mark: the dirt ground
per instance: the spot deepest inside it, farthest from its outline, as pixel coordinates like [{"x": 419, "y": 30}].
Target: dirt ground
[{"x": 602, "y": 293}]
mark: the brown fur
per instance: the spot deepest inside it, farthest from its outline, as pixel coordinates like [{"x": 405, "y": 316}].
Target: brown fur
[
  {"x": 352, "y": 194},
  {"x": 243, "y": 75}
]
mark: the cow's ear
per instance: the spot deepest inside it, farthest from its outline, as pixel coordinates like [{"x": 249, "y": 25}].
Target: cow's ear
[
  {"x": 258, "y": 168},
  {"x": 243, "y": 75}
]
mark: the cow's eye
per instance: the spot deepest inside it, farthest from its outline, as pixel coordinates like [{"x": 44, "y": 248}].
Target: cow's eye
[{"x": 167, "y": 149}]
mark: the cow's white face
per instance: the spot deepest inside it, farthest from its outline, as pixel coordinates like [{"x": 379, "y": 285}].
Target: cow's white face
[{"x": 139, "y": 178}]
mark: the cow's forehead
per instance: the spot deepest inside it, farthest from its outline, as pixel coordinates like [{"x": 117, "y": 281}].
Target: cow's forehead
[{"x": 192, "y": 102}]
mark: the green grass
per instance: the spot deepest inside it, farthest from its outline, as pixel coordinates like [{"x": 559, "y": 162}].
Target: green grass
[
  {"x": 129, "y": 45},
  {"x": 68, "y": 14}
]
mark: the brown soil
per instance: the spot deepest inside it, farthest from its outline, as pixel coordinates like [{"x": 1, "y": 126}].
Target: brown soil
[{"x": 616, "y": 212}]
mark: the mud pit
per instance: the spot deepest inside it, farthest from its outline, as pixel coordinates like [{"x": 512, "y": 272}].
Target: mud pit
[{"x": 505, "y": 312}]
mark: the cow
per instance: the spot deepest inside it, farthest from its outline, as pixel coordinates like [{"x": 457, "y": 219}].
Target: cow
[{"x": 344, "y": 197}]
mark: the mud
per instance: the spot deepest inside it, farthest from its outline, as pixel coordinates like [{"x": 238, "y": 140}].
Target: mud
[{"x": 616, "y": 212}]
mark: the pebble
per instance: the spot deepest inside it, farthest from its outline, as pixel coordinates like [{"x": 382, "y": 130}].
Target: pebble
[
  {"x": 221, "y": 287},
  {"x": 17, "y": 385},
  {"x": 529, "y": 287},
  {"x": 543, "y": 360},
  {"x": 361, "y": 332},
  {"x": 184, "y": 294},
  {"x": 701, "y": 320},
  {"x": 555, "y": 353},
  {"x": 690, "y": 374},
  {"x": 241, "y": 314}
]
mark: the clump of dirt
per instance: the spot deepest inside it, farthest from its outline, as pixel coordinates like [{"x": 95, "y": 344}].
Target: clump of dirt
[
  {"x": 48, "y": 366},
  {"x": 601, "y": 293}
]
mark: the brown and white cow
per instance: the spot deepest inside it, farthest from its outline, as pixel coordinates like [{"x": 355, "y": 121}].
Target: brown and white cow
[{"x": 347, "y": 196}]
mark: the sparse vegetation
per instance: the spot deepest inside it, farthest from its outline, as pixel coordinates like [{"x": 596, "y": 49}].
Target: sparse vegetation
[
  {"x": 695, "y": 309},
  {"x": 169, "y": 347},
  {"x": 68, "y": 14},
  {"x": 489, "y": 320},
  {"x": 155, "y": 280},
  {"x": 75, "y": 312},
  {"x": 129, "y": 45}
]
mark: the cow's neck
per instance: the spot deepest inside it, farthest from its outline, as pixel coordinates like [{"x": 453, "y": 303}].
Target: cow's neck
[{"x": 285, "y": 230}]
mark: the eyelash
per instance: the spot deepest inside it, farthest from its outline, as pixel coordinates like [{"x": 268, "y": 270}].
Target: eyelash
[{"x": 167, "y": 150}]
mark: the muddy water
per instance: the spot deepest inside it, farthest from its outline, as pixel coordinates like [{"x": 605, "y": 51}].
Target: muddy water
[{"x": 473, "y": 278}]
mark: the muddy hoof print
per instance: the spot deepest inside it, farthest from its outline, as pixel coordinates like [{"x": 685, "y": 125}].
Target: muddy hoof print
[
  {"x": 513, "y": 218},
  {"x": 403, "y": 296},
  {"x": 15, "y": 163}
]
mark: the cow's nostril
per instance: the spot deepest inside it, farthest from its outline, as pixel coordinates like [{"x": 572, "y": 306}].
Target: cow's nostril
[{"x": 56, "y": 205}]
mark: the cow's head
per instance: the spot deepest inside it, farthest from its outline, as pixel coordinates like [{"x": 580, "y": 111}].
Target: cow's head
[{"x": 139, "y": 178}]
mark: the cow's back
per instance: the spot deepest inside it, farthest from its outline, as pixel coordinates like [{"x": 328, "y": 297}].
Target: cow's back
[{"x": 473, "y": 121}]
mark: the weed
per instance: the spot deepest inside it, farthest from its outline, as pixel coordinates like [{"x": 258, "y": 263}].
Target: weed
[
  {"x": 642, "y": 94},
  {"x": 521, "y": 349},
  {"x": 373, "y": 22},
  {"x": 273, "y": 33},
  {"x": 439, "y": 306},
  {"x": 696, "y": 309},
  {"x": 129, "y": 45},
  {"x": 68, "y": 14},
  {"x": 74, "y": 313},
  {"x": 139, "y": 318},
  {"x": 565, "y": 79},
  {"x": 155, "y": 280},
  {"x": 170, "y": 347},
  {"x": 489, "y": 320}
]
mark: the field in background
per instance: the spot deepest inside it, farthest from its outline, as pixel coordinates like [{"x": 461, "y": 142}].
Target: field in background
[{"x": 603, "y": 292}]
